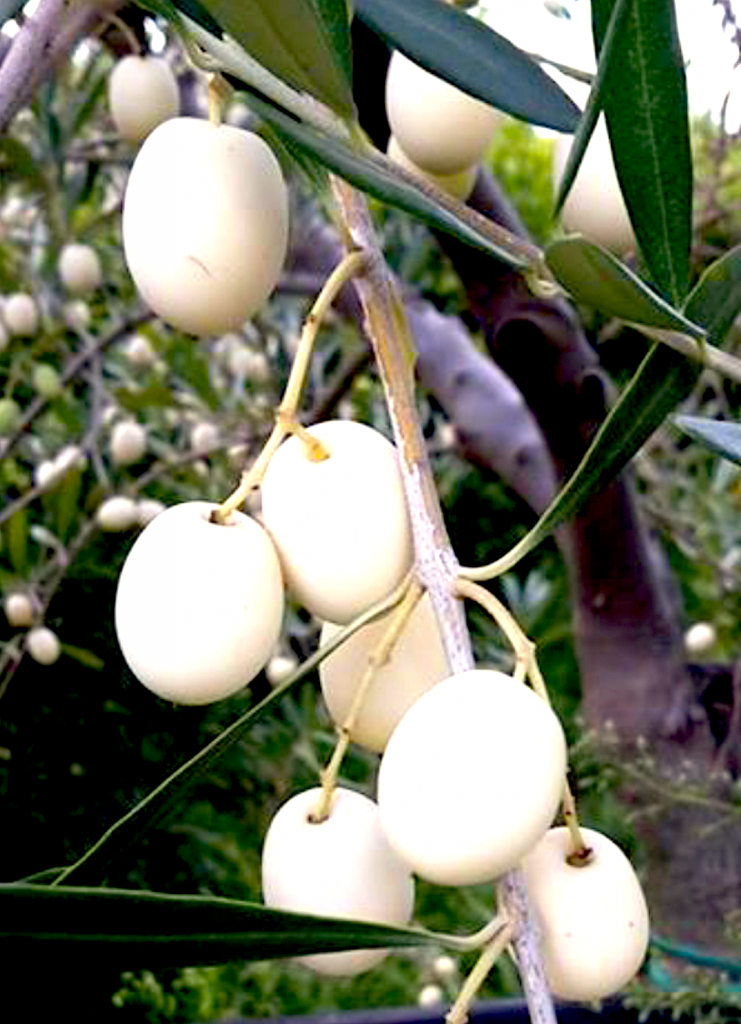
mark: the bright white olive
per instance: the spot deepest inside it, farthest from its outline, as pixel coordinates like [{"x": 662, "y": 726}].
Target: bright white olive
[
  {"x": 43, "y": 645},
  {"x": 416, "y": 663},
  {"x": 128, "y": 442},
  {"x": 199, "y": 604},
  {"x": 47, "y": 474},
  {"x": 594, "y": 919},
  {"x": 204, "y": 435},
  {"x": 430, "y": 995},
  {"x": 445, "y": 967},
  {"x": 594, "y": 206},
  {"x": 117, "y": 513},
  {"x": 21, "y": 315},
  {"x": 459, "y": 185},
  {"x": 279, "y": 668},
  {"x": 79, "y": 269},
  {"x": 246, "y": 364},
  {"x": 18, "y": 610},
  {"x": 340, "y": 524},
  {"x": 471, "y": 778},
  {"x": 142, "y": 93},
  {"x": 440, "y": 128},
  {"x": 700, "y": 637},
  {"x": 147, "y": 509},
  {"x": 68, "y": 458},
  {"x": 139, "y": 352},
  {"x": 340, "y": 867},
  {"x": 205, "y": 224}
]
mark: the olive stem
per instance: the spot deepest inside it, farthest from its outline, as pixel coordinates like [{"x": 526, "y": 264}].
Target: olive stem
[
  {"x": 378, "y": 657},
  {"x": 285, "y": 417},
  {"x": 458, "y": 1013}
]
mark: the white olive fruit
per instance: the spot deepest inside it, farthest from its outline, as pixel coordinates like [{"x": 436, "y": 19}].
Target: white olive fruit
[
  {"x": 21, "y": 315},
  {"x": 340, "y": 867},
  {"x": 147, "y": 509},
  {"x": 128, "y": 442},
  {"x": 430, "y": 995},
  {"x": 416, "y": 663},
  {"x": 205, "y": 224},
  {"x": 18, "y": 610},
  {"x": 279, "y": 668},
  {"x": 459, "y": 185},
  {"x": 340, "y": 524},
  {"x": 79, "y": 269},
  {"x": 199, "y": 604},
  {"x": 69, "y": 458},
  {"x": 47, "y": 475},
  {"x": 76, "y": 314},
  {"x": 445, "y": 967},
  {"x": 117, "y": 513},
  {"x": 594, "y": 206},
  {"x": 440, "y": 128},
  {"x": 594, "y": 920},
  {"x": 203, "y": 435},
  {"x": 471, "y": 778},
  {"x": 142, "y": 93},
  {"x": 246, "y": 364},
  {"x": 43, "y": 645},
  {"x": 139, "y": 352},
  {"x": 700, "y": 637}
]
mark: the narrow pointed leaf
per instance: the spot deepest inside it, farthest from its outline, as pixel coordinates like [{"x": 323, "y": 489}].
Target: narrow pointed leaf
[
  {"x": 594, "y": 105},
  {"x": 596, "y": 278},
  {"x": 381, "y": 181},
  {"x": 719, "y": 436},
  {"x": 646, "y": 111},
  {"x": 663, "y": 379},
  {"x": 134, "y": 928},
  {"x": 304, "y": 42},
  {"x": 715, "y": 300},
  {"x": 466, "y": 52}
]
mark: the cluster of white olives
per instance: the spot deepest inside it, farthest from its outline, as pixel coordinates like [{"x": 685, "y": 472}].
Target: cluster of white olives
[
  {"x": 437, "y": 130},
  {"x": 41, "y": 643},
  {"x": 205, "y": 224}
]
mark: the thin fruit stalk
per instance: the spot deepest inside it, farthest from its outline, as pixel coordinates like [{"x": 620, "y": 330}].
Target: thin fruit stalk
[{"x": 436, "y": 564}]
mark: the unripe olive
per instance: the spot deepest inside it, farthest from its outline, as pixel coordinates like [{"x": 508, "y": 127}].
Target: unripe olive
[
  {"x": 18, "y": 610},
  {"x": 199, "y": 604},
  {"x": 21, "y": 315},
  {"x": 416, "y": 663},
  {"x": 43, "y": 645},
  {"x": 205, "y": 224},
  {"x": 117, "y": 513},
  {"x": 340, "y": 867},
  {"x": 10, "y": 413},
  {"x": 128, "y": 442},
  {"x": 79, "y": 269},
  {"x": 45, "y": 380},
  {"x": 142, "y": 93},
  {"x": 76, "y": 314},
  {"x": 459, "y": 185},
  {"x": 594, "y": 206},
  {"x": 340, "y": 524},
  {"x": 593, "y": 917},
  {"x": 439, "y": 127},
  {"x": 471, "y": 778}
]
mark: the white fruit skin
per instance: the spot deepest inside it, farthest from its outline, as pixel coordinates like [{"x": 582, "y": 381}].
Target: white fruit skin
[
  {"x": 595, "y": 205},
  {"x": 79, "y": 269},
  {"x": 279, "y": 668},
  {"x": 76, "y": 314},
  {"x": 204, "y": 435},
  {"x": 459, "y": 185},
  {"x": 117, "y": 514},
  {"x": 342, "y": 867},
  {"x": 199, "y": 605},
  {"x": 139, "y": 351},
  {"x": 416, "y": 663},
  {"x": 471, "y": 778},
  {"x": 594, "y": 920},
  {"x": 142, "y": 93},
  {"x": 21, "y": 315},
  {"x": 205, "y": 224},
  {"x": 340, "y": 525},
  {"x": 700, "y": 637},
  {"x": 440, "y": 128},
  {"x": 43, "y": 645},
  {"x": 128, "y": 443},
  {"x": 148, "y": 509},
  {"x": 18, "y": 610}
]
